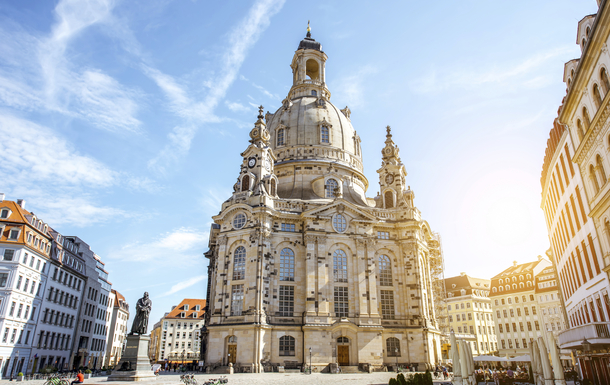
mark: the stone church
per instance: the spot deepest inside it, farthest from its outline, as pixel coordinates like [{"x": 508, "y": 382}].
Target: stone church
[{"x": 302, "y": 264}]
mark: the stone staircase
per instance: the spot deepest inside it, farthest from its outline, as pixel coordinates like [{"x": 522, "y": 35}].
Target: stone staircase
[{"x": 349, "y": 369}]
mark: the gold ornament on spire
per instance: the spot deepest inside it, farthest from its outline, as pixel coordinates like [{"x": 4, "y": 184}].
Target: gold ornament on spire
[{"x": 308, "y": 28}]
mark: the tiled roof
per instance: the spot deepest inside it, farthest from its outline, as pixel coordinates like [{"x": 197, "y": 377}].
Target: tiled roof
[
  {"x": 192, "y": 303},
  {"x": 467, "y": 283}
]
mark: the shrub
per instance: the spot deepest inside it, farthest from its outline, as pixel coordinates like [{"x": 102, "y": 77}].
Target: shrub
[
  {"x": 20, "y": 374},
  {"x": 428, "y": 377},
  {"x": 393, "y": 382},
  {"x": 88, "y": 371},
  {"x": 400, "y": 379}
]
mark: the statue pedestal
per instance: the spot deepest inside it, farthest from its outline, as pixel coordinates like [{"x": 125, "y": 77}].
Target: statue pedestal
[{"x": 134, "y": 364}]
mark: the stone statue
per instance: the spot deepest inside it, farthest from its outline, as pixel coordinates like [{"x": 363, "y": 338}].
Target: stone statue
[{"x": 140, "y": 322}]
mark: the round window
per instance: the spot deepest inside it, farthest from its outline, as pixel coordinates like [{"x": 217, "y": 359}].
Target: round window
[
  {"x": 339, "y": 223},
  {"x": 239, "y": 221}
]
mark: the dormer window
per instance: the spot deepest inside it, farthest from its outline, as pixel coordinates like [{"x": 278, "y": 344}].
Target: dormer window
[
  {"x": 5, "y": 213},
  {"x": 195, "y": 315},
  {"x": 14, "y": 234},
  {"x": 197, "y": 307},
  {"x": 182, "y": 314},
  {"x": 280, "y": 136},
  {"x": 324, "y": 134},
  {"x": 330, "y": 187},
  {"x": 186, "y": 307}
]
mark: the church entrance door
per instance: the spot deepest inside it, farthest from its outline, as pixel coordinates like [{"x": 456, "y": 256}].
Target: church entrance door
[
  {"x": 343, "y": 355},
  {"x": 232, "y": 354}
]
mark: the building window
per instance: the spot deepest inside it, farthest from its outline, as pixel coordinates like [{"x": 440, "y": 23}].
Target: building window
[
  {"x": 286, "y": 265},
  {"x": 287, "y": 346},
  {"x": 239, "y": 220},
  {"x": 286, "y": 301},
  {"x": 4, "y": 213},
  {"x": 389, "y": 199},
  {"x": 280, "y": 137},
  {"x": 14, "y": 234},
  {"x": 239, "y": 263},
  {"x": 387, "y": 304},
  {"x": 340, "y": 266},
  {"x": 8, "y": 254},
  {"x": 324, "y": 135},
  {"x": 330, "y": 187},
  {"x": 392, "y": 345},
  {"x": 3, "y": 279},
  {"x": 314, "y": 93},
  {"x": 288, "y": 227},
  {"x": 500, "y": 328},
  {"x": 341, "y": 302},
  {"x": 339, "y": 223},
  {"x": 383, "y": 235},
  {"x": 385, "y": 271},
  {"x": 450, "y": 318},
  {"x": 237, "y": 299},
  {"x": 272, "y": 188}
]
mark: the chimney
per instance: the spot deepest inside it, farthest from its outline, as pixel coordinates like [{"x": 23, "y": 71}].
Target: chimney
[
  {"x": 1, "y": 197},
  {"x": 514, "y": 263},
  {"x": 462, "y": 274},
  {"x": 21, "y": 202}
]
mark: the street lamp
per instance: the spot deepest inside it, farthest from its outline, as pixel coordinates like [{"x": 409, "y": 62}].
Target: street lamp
[
  {"x": 15, "y": 363},
  {"x": 586, "y": 348},
  {"x": 183, "y": 352},
  {"x": 396, "y": 354},
  {"x": 310, "y": 360}
]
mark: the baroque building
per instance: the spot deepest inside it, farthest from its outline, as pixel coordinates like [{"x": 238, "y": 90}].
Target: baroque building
[
  {"x": 576, "y": 198},
  {"x": 470, "y": 312},
  {"x": 302, "y": 263}
]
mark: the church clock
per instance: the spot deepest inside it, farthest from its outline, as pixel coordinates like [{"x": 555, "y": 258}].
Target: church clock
[{"x": 252, "y": 162}]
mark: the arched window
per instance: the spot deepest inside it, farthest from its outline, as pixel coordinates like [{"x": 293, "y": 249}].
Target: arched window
[
  {"x": 280, "y": 137},
  {"x": 389, "y": 199},
  {"x": 569, "y": 82},
  {"x": 597, "y": 96},
  {"x": 581, "y": 131},
  {"x": 287, "y": 346},
  {"x": 343, "y": 340},
  {"x": 588, "y": 31},
  {"x": 520, "y": 278},
  {"x": 529, "y": 276},
  {"x": 314, "y": 93},
  {"x": 586, "y": 118},
  {"x": 514, "y": 286},
  {"x": 603, "y": 74},
  {"x": 594, "y": 181},
  {"x": 507, "y": 287},
  {"x": 600, "y": 169},
  {"x": 521, "y": 285},
  {"x": 607, "y": 228},
  {"x": 493, "y": 290},
  {"x": 272, "y": 188},
  {"x": 286, "y": 265},
  {"x": 584, "y": 42},
  {"x": 385, "y": 271},
  {"x": 528, "y": 285},
  {"x": 324, "y": 135},
  {"x": 330, "y": 187},
  {"x": 501, "y": 281},
  {"x": 239, "y": 263},
  {"x": 514, "y": 279},
  {"x": 392, "y": 345},
  {"x": 245, "y": 183},
  {"x": 232, "y": 340},
  {"x": 340, "y": 266},
  {"x": 501, "y": 288}
]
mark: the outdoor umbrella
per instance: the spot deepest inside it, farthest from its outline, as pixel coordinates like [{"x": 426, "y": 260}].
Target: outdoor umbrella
[
  {"x": 457, "y": 367},
  {"x": 546, "y": 365},
  {"x": 557, "y": 367}
]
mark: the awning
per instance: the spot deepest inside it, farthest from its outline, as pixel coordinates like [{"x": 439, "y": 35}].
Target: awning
[
  {"x": 489, "y": 359},
  {"x": 523, "y": 358}
]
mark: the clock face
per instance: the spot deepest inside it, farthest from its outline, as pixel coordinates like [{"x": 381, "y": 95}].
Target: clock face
[
  {"x": 389, "y": 178},
  {"x": 267, "y": 165},
  {"x": 251, "y": 162}
]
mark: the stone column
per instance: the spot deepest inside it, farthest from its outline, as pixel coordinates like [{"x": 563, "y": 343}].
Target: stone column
[
  {"x": 371, "y": 269},
  {"x": 310, "y": 262},
  {"x": 322, "y": 286},
  {"x": 360, "y": 276}
]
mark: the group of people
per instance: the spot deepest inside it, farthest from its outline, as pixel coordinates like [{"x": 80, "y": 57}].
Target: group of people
[
  {"x": 439, "y": 371},
  {"x": 501, "y": 376}
]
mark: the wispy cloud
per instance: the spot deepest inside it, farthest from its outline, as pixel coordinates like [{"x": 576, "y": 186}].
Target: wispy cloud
[
  {"x": 36, "y": 75},
  {"x": 240, "y": 40},
  {"x": 438, "y": 80},
  {"x": 351, "y": 87},
  {"x": 184, "y": 244},
  {"x": 237, "y": 107},
  {"x": 184, "y": 284}
]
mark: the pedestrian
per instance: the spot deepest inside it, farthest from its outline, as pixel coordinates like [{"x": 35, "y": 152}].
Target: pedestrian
[{"x": 79, "y": 378}]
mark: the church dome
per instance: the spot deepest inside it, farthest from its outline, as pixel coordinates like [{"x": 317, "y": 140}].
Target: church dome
[
  {"x": 315, "y": 145},
  {"x": 305, "y": 130}
]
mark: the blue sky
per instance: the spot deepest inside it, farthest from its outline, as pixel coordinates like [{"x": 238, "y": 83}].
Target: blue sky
[{"x": 122, "y": 121}]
